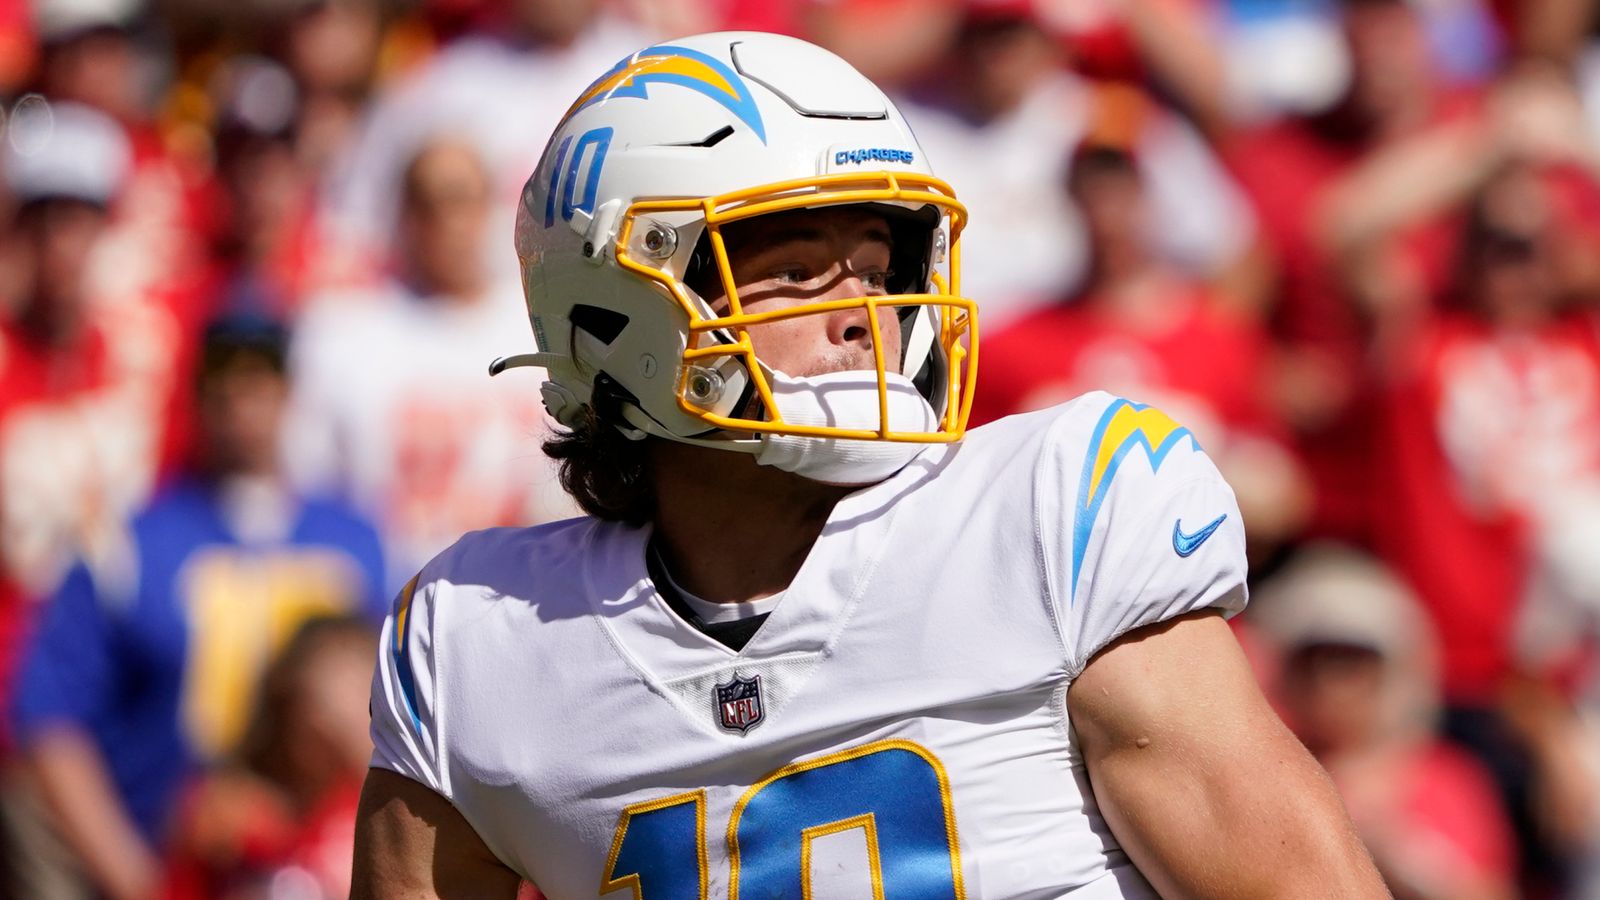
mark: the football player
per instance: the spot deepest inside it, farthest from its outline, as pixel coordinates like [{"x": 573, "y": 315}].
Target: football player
[{"x": 813, "y": 640}]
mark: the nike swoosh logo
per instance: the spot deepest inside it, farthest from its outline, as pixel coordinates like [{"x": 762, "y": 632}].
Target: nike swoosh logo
[{"x": 1187, "y": 544}]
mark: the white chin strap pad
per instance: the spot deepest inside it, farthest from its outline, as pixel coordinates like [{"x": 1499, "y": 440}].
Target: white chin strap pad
[{"x": 845, "y": 400}]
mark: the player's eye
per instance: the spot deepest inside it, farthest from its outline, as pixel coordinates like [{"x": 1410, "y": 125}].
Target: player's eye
[
  {"x": 877, "y": 280},
  {"x": 791, "y": 275}
]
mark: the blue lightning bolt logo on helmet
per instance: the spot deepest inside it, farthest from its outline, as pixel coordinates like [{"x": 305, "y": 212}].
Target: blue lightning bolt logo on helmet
[{"x": 675, "y": 65}]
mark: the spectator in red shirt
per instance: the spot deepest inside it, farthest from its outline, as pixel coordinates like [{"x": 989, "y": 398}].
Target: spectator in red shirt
[
  {"x": 270, "y": 253},
  {"x": 91, "y": 55},
  {"x": 1491, "y": 423},
  {"x": 1491, "y": 414},
  {"x": 77, "y": 417},
  {"x": 1290, "y": 170},
  {"x": 1358, "y": 684},
  {"x": 1144, "y": 330}
]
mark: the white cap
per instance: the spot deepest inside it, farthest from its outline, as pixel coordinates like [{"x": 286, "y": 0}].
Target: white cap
[
  {"x": 63, "y": 150},
  {"x": 1334, "y": 595},
  {"x": 61, "y": 19}
]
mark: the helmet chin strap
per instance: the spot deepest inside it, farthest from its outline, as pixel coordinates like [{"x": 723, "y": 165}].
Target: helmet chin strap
[
  {"x": 848, "y": 400},
  {"x": 565, "y": 408},
  {"x": 639, "y": 424},
  {"x": 838, "y": 400}
]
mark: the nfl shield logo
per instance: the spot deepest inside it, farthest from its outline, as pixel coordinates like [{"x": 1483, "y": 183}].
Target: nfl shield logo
[{"x": 739, "y": 704}]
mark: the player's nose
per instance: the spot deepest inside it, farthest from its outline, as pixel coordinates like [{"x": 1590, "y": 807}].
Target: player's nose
[{"x": 851, "y": 327}]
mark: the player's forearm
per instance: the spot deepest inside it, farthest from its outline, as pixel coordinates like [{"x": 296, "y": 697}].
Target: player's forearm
[
  {"x": 1405, "y": 184},
  {"x": 73, "y": 778},
  {"x": 1172, "y": 40},
  {"x": 1271, "y": 829}
]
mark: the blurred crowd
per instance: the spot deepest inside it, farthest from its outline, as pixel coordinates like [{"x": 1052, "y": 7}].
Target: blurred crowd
[{"x": 255, "y": 257}]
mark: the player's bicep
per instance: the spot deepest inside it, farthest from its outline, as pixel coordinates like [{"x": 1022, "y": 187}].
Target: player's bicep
[
  {"x": 411, "y": 843},
  {"x": 1203, "y": 786}
]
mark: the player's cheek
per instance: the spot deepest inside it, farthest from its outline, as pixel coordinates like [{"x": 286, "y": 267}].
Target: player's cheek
[
  {"x": 889, "y": 336},
  {"x": 784, "y": 344}
]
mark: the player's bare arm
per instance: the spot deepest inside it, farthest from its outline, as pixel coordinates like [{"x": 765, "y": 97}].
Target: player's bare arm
[
  {"x": 411, "y": 844},
  {"x": 1203, "y": 785}
]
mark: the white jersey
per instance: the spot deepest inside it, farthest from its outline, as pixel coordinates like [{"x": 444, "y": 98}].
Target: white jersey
[{"x": 896, "y": 728}]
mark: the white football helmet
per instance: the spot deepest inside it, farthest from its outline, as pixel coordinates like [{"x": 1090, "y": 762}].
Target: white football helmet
[{"x": 650, "y": 163}]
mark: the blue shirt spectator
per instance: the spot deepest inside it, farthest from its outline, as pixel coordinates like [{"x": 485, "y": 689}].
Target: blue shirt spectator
[
  {"x": 149, "y": 655},
  {"x": 159, "y": 666}
]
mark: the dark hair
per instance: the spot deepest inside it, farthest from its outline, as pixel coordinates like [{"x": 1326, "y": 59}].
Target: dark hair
[
  {"x": 1485, "y": 239},
  {"x": 603, "y": 470},
  {"x": 261, "y": 748},
  {"x": 235, "y": 336},
  {"x": 1093, "y": 159}
]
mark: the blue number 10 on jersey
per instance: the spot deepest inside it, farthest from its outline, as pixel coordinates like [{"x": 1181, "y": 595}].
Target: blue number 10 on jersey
[{"x": 894, "y": 791}]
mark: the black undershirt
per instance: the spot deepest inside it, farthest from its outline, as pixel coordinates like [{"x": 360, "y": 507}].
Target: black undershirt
[{"x": 734, "y": 634}]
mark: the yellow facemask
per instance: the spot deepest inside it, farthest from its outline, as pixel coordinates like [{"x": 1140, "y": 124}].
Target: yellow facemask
[{"x": 715, "y": 339}]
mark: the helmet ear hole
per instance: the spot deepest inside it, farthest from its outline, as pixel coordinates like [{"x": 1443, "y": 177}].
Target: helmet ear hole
[
  {"x": 912, "y": 237},
  {"x": 700, "y": 273},
  {"x": 605, "y": 324}
]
